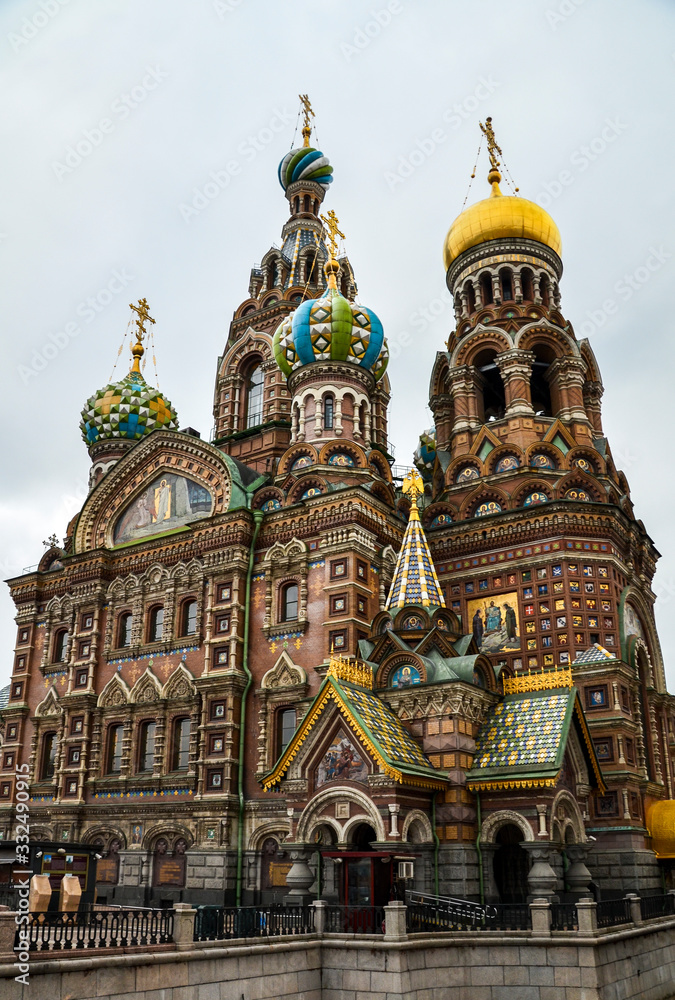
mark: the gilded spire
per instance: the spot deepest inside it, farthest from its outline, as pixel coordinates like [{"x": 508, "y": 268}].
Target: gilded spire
[
  {"x": 307, "y": 114},
  {"x": 331, "y": 268},
  {"x": 142, "y": 317},
  {"x": 415, "y": 580},
  {"x": 494, "y": 148}
]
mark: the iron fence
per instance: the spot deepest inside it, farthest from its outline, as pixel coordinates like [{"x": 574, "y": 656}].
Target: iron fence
[
  {"x": 611, "y": 912},
  {"x": 222, "y": 923},
  {"x": 355, "y": 919},
  {"x": 564, "y": 917},
  {"x": 96, "y": 929},
  {"x": 657, "y": 906},
  {"x": 430, "y": 917}
]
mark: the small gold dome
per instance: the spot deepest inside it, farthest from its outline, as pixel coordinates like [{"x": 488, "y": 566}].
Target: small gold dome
[{"x": 497, "y": 217}]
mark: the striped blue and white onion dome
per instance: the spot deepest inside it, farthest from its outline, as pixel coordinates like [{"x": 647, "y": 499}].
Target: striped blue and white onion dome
[{"x": 305, "y": 164}]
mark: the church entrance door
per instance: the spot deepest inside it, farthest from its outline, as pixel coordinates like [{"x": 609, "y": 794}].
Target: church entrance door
[{"x": 511, "y": 865}]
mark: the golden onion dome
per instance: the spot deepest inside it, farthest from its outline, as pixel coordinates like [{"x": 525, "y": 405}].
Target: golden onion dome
[
  {"x": 497, "y": 217},
  {"x": 661, "y": 826}
]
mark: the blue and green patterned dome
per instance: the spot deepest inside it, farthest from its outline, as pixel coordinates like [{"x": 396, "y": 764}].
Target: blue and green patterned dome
[
  {"x": 305, "y": 164},
  {"x": 331, "y": 329},
  {"x": 127, "y": 409}
]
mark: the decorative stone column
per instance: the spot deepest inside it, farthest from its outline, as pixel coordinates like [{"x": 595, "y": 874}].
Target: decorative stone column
[
  {"x": 578, "y": 876},
  {"x": 542, "y": 881},
  {"x": 463, "y": 382},
  {"x": 515, "y": 367},
  {"x": 568, "y": 376},
  {"x": 300, "y": 876}
]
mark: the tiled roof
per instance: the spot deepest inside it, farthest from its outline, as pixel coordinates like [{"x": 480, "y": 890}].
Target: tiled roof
[
  {"x": 415, "y": 580},
  {"x": 594, "y": 654}
]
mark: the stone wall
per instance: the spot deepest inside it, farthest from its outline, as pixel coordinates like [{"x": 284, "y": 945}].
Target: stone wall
[{"x": 632, "y": 963}]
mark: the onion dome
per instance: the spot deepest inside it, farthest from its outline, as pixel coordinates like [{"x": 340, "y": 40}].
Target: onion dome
[
  {"x": 130, "y": 408},
  {"x": 331, "y": 328},
  {"x": 498, "y": 217},
  {"x": 305, "y": 164},
  {"x": 425, "y": 453}
]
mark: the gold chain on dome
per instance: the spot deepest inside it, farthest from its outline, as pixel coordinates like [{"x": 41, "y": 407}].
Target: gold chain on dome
[
  {"x": 352, "y": 671},
  {"x": 540, "y": 680}
]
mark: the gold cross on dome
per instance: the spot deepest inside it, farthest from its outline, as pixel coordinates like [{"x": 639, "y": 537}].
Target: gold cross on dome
[
  {"x": 493, "y": 147},
  {"x": 308, "y": 114},
  {"x": 143, "y": 316},
  {"x": 331, "y": 223}
]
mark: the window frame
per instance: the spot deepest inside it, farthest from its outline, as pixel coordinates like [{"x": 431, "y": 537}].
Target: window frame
[
  {"x": 60, "y": 646},
  {"x": 153, "y": 614},
  {"x": 284, "y": 602},
  {"x": 185, "y": 616},
  {"x": 124, "y": 618},
  {"x": 111, "y": 745},
  {"x": 48, "y": 760},
  {"x": 177, "y": 749},
  {"x": 146, "y": 727},
  {"x": 255, "y": 391}
]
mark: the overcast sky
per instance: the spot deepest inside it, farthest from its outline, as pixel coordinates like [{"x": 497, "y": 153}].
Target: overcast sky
[{"x": 116, "y": 114}]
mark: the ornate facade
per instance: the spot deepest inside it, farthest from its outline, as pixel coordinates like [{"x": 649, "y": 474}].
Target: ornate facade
[{"x": 260, "y": 665}]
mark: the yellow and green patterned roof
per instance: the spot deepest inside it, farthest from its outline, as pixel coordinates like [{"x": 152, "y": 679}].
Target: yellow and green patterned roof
[
  {"x": 522, "y": 742},
  {"x": 379, "y": 730},
  {"x": 415, "y": 580},
  {"x": 127, "y": 409}
]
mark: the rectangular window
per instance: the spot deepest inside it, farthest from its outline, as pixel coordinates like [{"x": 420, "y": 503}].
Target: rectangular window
[
  {"x": 630, "y": 750},
  {"x": 338, "y": 568},
  {"x": 115, "y": 734},
  {"x": 607, "y": 805},
  {"x": 225, "y": 592},
  {"x": 338, "y": 640},
  {"x": 181, "y": 745},
  {"x": 596, "y": 697},
  {"x": 286, "y": 722},
  {"x": 625, "y": 700},
  {"x": 338, "y": 604},
  {"x": 220, "y": 657}
]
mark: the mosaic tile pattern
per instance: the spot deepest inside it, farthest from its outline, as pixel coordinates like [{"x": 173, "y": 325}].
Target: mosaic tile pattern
[
  {"x": 127, "y": 409},
  {"x": 523, "y": 731},
  {"x": 594, "y": 654},
  {"x": 385, "y": 727},
  {"x": 415, "y": 580}
]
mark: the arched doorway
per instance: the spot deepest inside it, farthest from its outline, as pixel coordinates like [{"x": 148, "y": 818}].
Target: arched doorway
[
  {"x": 511, "y": 865},
  {"x": 364, "y": 876}
]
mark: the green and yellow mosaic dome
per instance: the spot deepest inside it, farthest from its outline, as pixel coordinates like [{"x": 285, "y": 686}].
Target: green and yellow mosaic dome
[{"x": 127, "y": 409}]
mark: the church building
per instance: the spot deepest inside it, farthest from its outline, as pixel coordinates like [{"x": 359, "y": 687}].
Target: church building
[{"x": 264, "y": 666}]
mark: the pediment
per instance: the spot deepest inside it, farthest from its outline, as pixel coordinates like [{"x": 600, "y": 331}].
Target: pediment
[
  {"x": 49, "y": 705},
  {"x": 284, "y": 674},
  {"x": 332, "y": 754},
  {"x": 146, "y": 689},
  {"x": 166, "y": 482},
  {"x": 179, "y": 684},
  {"x": 116, "y": 692}
]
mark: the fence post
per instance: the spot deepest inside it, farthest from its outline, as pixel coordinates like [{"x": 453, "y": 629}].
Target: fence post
[
  {"x": 587, "y": 916},
  {"x": 635, "y": 912},
  {"x": 395, "y": 921},
  {"x": 183, "y": 926},
  {"x": 320, "y": 907},
  {"x": 7, "y": 931},
  {"x": 540, "y": 914}
]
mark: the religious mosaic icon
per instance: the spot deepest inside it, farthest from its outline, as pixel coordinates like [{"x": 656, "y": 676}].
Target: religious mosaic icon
[
  {"x": 542, "y": 461},
  {"x": 506, "y": 463},
  {"x": 490, "y": 507},
  {"x": 405, "y": 676},
  {"x": 341, "y": 762},
  {"x": 467, "y": 473},
  {"x": 341, "y": 458},
  {"x": 494, "y": 623},
  {"x": 272, "y": 504},
  {"x": 440, "y": 520},
  {"x": 169, "y": 502},
  {"x": 302, "y": 462},
  {"x": 535, "y": 498}
]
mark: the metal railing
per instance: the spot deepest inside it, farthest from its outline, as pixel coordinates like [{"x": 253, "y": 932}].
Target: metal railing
[
  {"x": 223, "y": 923},
  {"x": 464, "y": 915},
  {"x": 610, "y": 912},
  {"x": 96, "y": 929},
  {"x": 355, "y": 919},
  {"x": 564, "y": 917},
  {"x": 652, "y": 907}
]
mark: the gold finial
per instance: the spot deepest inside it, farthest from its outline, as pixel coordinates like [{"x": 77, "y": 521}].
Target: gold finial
[
  {"x": 331, "y": 268},
  {"x": 308, "y": 114},
  {"x": 413, "y": 485},
  {"x": 494, "y": 148},
  {"x": 142, "y": 317}
]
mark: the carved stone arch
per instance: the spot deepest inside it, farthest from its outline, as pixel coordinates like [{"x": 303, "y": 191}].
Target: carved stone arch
[
  {"x": 545, "y": 448},
  {"x": 294, "y": 452},
  {"x": 106, "y": 832},
  {"x": 179, "y": 684},
  {"x": 540, "y": 331},
  {"x": 41, "y": 833},
  {"x": 352, "y": 449},
  {"x": 146, "y": 689},
  {"x": 171, "y": 832},
  {"x": 500, "y": 452},
  {"x": 276, "y": 828},
  {"x": 531, "y": 484},
  {"x": 377, "y": 460},
  {"x": 595, "y": 460},
  {"x": 50, "y": 704},
  {"x": 483, "y": 494},
  {"x": 307, "y": 483},
  {"x": 266, "y": 494},
  {"x": 163, "y": 451},
  {"x": 578, "y": 478},
  {"x": 565, "y": 811},
  {"x": 652, "y": 646},
  {"x": 281, "y": 551},
  {"x": 190, "y": 573},
  {"x": 417, "y": 816},
  {"x": 493, "y": 823},
  {"x": 483, "y": 339},
  {"x": 592, "y": 367},
  {"x": 283, "y": 674},
  {"x": 438, "y": 385},
  {"x": 250, "y": 343},
  {"x": 311, "y": 815},
  {"x": 60, "y": 607},
  {"x": 155, "y": 577},
  {"x": 116, "y": 692}
]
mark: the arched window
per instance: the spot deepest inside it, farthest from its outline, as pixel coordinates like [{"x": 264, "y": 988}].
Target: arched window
[
  {"x": 494, "y": 399},
  {"x": 289, "y": 602},
  {"x": 146, "y": 746},
  {"x": 60, "y": 646},
  {"x": 470, "y": 296},
  {"x": 328, "y": 412},
  {"x": 507, "y": 284},
  {"x": 305, "y": 206},
  {"x": 544, "y": 290},
  {"x": 311, "y": 269},
  {"x": 526, "y": 284},
  {"x": 540, "y": 389},
  {"x": 296, "y": 204},
  {"x": 47, "y": 763},
  {"x": 114, "y": 755},
  {"x": 486, "y": 289},
  {"x": 254, "y": 397},
  {"x": 181, "y": 745},
  {"x": 189, "y": 618},
  {"x": 156, "y": 625},
  {"x": 285, "y": 728},
  {"x": 124, "y": 630}
]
